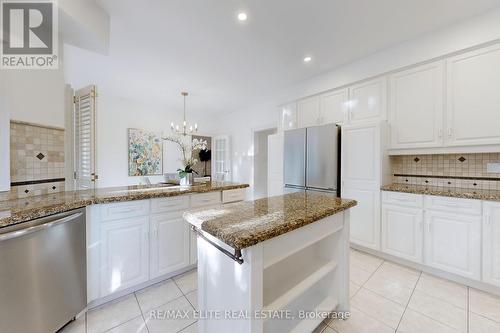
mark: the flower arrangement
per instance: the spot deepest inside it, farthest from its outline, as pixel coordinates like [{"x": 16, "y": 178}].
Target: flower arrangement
[{"x": 187, "y": 146}]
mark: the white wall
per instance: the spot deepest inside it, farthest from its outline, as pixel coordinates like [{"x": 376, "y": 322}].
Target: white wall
[
  {"x": 477, "y": 31},
  {"x": 260, "y": 162},
  {"x": 114, "y": 116}
]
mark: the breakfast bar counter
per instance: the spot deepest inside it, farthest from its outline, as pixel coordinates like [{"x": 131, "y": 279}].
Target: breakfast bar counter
[{"x": 276, "y": 264}]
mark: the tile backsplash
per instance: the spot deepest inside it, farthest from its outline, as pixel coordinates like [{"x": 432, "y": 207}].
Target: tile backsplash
[
  {"x": 36, "y": 159},
  {"x": 453, "y": 170}
]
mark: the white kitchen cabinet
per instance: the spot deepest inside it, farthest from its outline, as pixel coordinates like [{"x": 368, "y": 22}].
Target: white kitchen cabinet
[
  {"x": 402, "y": 232},
  {"x": 288, "y": 116},
  {"x": 368, "y": 101},
  {"x": 308, "y": 112},
  {"x": 472, "y": 98},
  {"x": 416, "y": 107},
  {"x": 4, "y": 151},
  {"x": 453, "y": 243},
  {"x": 491, "y": 243},
  {"x": 124, "y": 254},
  {"x": 333, "y": 107},
  {"x": 365, "y": 217},
  {"x": 275, "y": 146},
  {"x": 361, "y": 156},
  {"x": 170, "y": 242}
]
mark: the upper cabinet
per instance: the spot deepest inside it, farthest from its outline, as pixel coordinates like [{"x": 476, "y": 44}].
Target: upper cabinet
[
  {"x": 367, "y": 101},
  {"x": 288, "y": 116},
  {"x": 308, "y": 113},
  {"x": 333, "y": 107},
  {"x": 473, "y": 101},
  {"x": 4, "y": 151},
  {"x": 416, "y": 107}
]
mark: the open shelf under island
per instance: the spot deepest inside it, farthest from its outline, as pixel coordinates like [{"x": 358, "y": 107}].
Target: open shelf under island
[{"x": 276, "y": 264}]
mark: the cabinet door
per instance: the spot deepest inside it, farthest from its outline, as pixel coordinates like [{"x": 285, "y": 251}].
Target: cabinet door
[
  {"x": 125, "y": 254},
  {"x": 416, "y": 107},
  {"x": 275, "y": 146},
  {"x": 365, "y": 217},
  {"x": 308, "y": 112},
  {"x": 169, "y": 244},
  {"x": 361, "y": 156},
  {"x": 4, "y": 151},
  {"x": 288, "y": 114},
  {"x": 491, "y": 243},
  {"x": 402, "y": 232},
  {"x": 473, "y": 99},
  {"x": 453, "y": 243},
  {"x": 367, "y": 101},
  {"x": 333, "y": 107}
]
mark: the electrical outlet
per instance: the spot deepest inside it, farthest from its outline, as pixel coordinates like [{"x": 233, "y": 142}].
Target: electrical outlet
[{"x": 493, "y": 167}]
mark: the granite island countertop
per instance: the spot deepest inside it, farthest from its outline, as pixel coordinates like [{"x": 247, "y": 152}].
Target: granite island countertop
[
  {"x": 247, "y": 223},
  {"x": 453, "y": 192},
  {"x": 26, "y": 209}
]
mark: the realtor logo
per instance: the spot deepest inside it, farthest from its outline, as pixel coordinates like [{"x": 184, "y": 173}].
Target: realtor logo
[{"x": 29, "y": 34}]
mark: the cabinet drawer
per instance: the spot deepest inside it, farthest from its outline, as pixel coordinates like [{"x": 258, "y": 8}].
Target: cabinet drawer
[
  {"x": 205, "y": 199},
  {"x": 453, "y": 205},
  {"x": 403, "y": 199},
  {"x": 166, "y": 205},
  {"x": 233, "y": 195},
  {"x": 123, "y": 210}
]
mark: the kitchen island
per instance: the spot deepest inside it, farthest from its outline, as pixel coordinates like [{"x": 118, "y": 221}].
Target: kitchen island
[{"x": 264, "y": 265}]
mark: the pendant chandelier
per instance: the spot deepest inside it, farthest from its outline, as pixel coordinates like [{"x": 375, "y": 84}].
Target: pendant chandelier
[{"x": 184, "y": 129}]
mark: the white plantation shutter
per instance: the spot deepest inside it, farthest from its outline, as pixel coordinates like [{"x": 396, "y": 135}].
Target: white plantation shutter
[
  {"x": 85, "y": 138},
  {"x": 221, "y": 158}
]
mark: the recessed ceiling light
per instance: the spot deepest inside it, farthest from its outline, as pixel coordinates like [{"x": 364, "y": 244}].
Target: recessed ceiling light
[
  {"x": 308, "y": 59},
  {"x": 242, "y": 16}
]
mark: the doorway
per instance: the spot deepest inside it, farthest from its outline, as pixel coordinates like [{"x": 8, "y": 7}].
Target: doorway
[{"x": 260, "y": 161}]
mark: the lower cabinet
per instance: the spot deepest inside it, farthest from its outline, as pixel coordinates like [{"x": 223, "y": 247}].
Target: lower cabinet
[
  {"x": 491, "y": 243},
  {"x": 365, "y": 217},
  {"x": 453, "y": 243},
  {"x": 402, "y": 232},
  {"x": 124, "y": 258},
  {"x": 170, "y": 242}
]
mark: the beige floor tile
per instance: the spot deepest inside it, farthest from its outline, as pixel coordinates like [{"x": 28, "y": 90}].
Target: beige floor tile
[
  {"x": 392, "y": 288},
  {"x": 414, "y": 322},
  {"x": 77, "y": 326},
  {"x": 439, "y": 310},
  {"x": 360, "y": 323},
  {"x": 158, "y": 321},
  {"x": 187, "y": 282},
  {"x": 136, "y": 325},
  {"x": 353, "y": 288},
  {"x": 193, "y": 328},
  {"x": 365, "y": 261},
  {"x": 112, "y": 314},
  {"x": 193, "y": 299},
  {"x": 328, "y": 330},
  {"x": 157, "y": 295},
  {"x": 321, "y": 328},
  {"x": 358, "y": 275},
  {"x": 480, "y": 324},
  {"x": 445, "y": 290},
  {"x": 385, "y": 310},
  {"x": 406, "y": 277},
  {"x": 484, "y": 304}
]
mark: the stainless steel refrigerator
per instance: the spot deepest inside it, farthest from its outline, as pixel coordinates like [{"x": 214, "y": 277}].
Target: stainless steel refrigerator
[{"x": 311, "y": 159}]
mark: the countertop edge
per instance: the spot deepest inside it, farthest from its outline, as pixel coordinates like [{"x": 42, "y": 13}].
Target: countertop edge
[{"x": 444, "y": 192}]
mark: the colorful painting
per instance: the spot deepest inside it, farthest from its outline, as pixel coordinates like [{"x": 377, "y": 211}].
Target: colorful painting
[{"x": 145, "y": 157}]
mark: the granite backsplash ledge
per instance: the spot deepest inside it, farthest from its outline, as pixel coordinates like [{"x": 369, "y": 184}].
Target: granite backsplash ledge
[{"x": 468, "y": 171}]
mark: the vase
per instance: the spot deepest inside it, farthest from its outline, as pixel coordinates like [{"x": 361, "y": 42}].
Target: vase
[{"x": 188, "y": 180}]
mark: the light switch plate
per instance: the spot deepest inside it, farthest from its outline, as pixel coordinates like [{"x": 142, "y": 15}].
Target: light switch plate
[{"x": 493, "y": 167}]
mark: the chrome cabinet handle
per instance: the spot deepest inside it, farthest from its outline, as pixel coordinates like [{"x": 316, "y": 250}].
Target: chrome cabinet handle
[{"x": 52, "y": 223}]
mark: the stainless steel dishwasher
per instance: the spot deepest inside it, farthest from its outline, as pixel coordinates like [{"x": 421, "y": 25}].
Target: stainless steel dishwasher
[{"x": 43, "y": 273}]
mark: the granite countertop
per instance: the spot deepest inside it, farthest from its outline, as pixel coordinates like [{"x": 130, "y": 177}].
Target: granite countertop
[
  {"x": 491, "y": 195},
  {"x": 26, "y": 209},
  {"x": 247, "y": 223}
]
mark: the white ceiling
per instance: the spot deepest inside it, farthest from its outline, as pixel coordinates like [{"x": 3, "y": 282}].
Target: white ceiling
[{"x": 160, "y": 47}]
